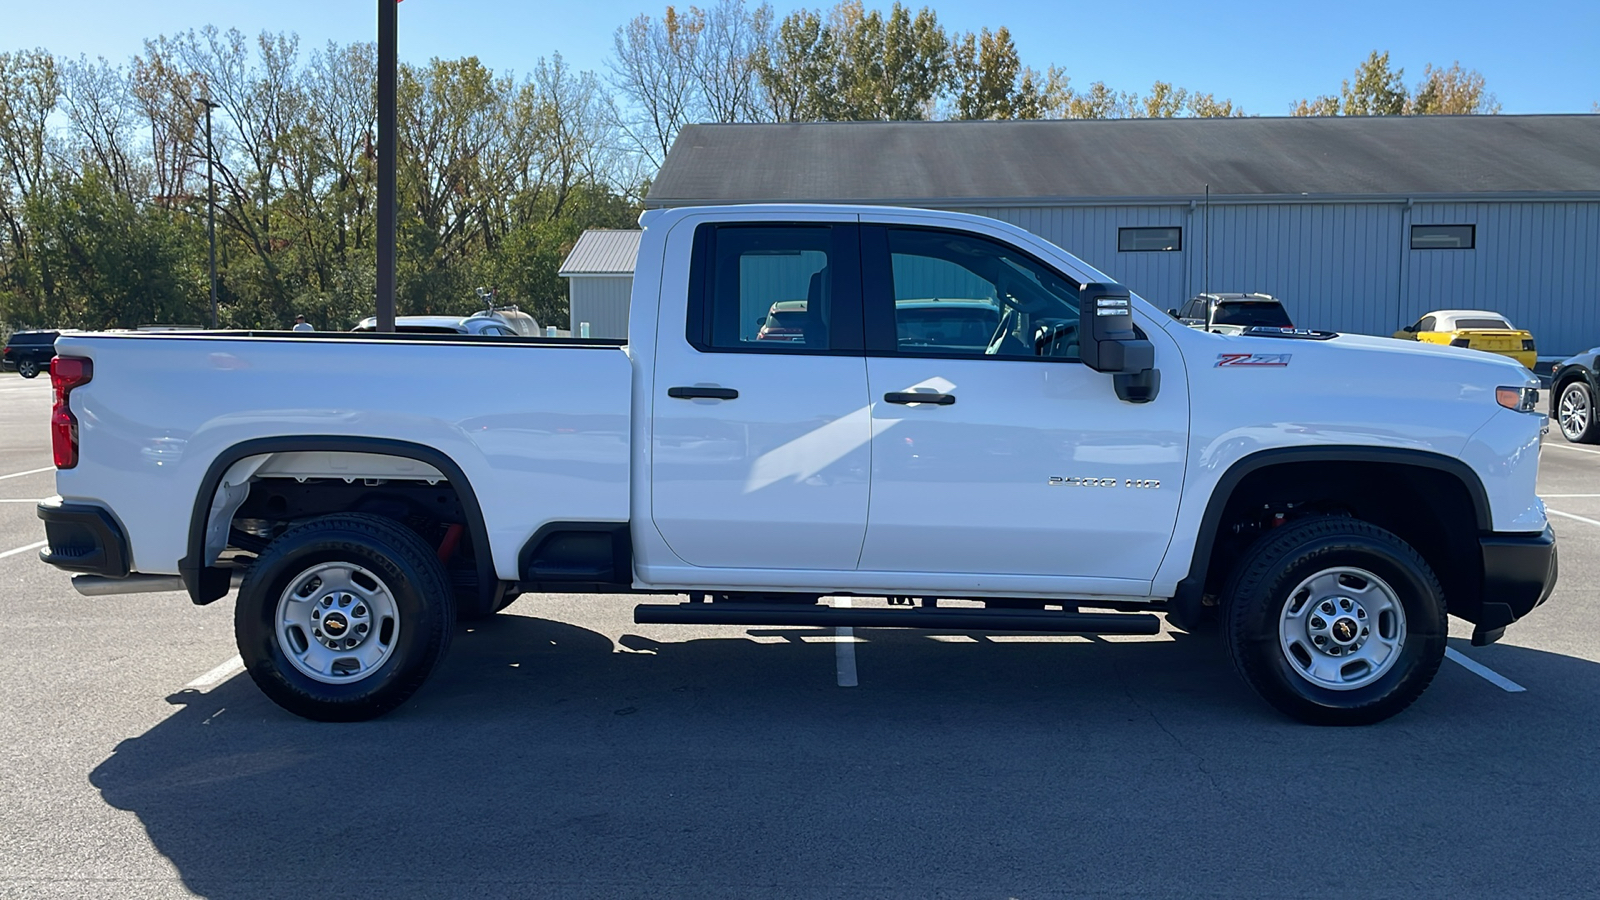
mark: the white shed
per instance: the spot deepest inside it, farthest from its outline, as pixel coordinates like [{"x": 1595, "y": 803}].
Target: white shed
[{"x": 599, "y": 272}]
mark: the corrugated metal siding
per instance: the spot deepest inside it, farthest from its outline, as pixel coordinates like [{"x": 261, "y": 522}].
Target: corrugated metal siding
[
  {"x": 1538, "y": 263},
  {"x": 602, "y": 301},
  {"x": 1349, "y": 267}
]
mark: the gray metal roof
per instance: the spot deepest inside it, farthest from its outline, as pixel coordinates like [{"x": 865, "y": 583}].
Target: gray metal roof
[
  {"x": 989, "y": 163},
  {"x": 602, "y": 251}
]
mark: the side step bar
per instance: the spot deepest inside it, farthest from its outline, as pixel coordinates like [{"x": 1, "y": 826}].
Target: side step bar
[{"x": 957, "y": 618}]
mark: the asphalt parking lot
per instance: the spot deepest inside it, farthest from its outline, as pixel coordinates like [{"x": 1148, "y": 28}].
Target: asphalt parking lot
[{"x": 563, "y": 750}]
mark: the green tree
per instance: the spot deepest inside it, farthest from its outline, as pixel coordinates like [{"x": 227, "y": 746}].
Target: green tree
[
  {"x": 989, "y": 77},
  {"x": 1377, "y": 89}
]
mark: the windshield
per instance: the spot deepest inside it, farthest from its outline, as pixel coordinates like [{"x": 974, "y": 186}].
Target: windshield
[
  {"x": 1251, "y": 313},
  {"x": 968, "y": 327}
]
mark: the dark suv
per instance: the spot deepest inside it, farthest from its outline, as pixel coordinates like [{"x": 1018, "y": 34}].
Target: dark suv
[{"x": 29, "y": 352}]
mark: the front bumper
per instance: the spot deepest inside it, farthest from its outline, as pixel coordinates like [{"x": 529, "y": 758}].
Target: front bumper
[
  {"x": 83, "y": 538},
  {"x": 1519, "y": 572}
]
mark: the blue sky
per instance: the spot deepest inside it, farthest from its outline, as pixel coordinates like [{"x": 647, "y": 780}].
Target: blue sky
[{"x": 1538, "y": 57}]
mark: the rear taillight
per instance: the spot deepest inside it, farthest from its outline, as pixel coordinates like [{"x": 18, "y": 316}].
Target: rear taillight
[
  {"x": 66, "y": 373},
  {"x": 1527, "y": 343},
  {"x": 1461, "y": 342}
]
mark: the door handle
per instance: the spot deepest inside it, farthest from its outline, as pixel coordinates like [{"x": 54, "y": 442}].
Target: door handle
[
  {"x": 702, "y": 393},
  {"x": 917, "y": 397}
]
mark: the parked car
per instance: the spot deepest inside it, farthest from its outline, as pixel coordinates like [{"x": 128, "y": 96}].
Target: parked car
[
  {"x": 1233, "y": 313},
  {"x": 29, "y": 352},
  {"x": 1573, "y": 392},
  {"x": 1094, "y": 466},
  {"x": 784, "y": 321},
  {"x": 476, "y": 324},
  {"x": 1476, "y": 329}
]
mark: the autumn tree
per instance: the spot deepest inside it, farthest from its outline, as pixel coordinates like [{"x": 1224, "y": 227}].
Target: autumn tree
[{"x": 1451, "y": 92}]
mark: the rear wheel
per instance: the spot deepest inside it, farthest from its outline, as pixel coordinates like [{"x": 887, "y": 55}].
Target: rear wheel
[
  {"x": 1575, "y": 413},
  {"x": 1335, "y": 621},
  {"x": 27, "y": 368},
  {"x": 344, "y": 617}
]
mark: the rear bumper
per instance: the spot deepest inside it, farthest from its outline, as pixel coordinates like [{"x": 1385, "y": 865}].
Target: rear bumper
[
  {"x": 83, "y": 538},
  {"x": 1519, "y": 572}
]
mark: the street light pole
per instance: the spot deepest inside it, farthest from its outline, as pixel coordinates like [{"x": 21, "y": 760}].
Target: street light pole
[
  {"x": 388, "y": 150},
  {"x": 211, "y": 206}
]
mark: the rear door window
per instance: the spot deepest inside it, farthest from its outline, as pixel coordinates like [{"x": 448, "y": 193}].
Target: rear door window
[{"x": 775, "y": 289}]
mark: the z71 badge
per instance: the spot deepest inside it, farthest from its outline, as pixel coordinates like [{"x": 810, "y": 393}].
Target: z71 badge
[{"x": 1252, "y": 359}]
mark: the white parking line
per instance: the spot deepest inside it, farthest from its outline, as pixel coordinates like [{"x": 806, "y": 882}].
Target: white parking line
[
  {"x": 1571, "y": 516},
  {"x": 844, "y": 649},
  {"x": 19, "y": 501},
  {"x": 29, "y": 472},
  {"x": 1570, "y": 447},
  {"x": 218, "y": 675},
  {"x": 1483, "y": 671},
  {"x": 34, "y": 546},
  {"x": 1564, "y": 496}
]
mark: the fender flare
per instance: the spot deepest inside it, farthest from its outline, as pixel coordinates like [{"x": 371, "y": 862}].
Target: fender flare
[
  {"x": 1186, "y": 601},
  {"x": 208, "y": 583}
]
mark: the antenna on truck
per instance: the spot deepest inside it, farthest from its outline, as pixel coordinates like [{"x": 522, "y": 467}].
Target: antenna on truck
[{"x": 1207, "y": 251}]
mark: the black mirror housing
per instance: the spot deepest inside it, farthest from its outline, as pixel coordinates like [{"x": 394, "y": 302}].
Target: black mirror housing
[{"x": 1109, "y": 342}]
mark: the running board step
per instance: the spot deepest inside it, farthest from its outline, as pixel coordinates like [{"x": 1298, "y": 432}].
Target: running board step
[{"x": 955, "y": 618}]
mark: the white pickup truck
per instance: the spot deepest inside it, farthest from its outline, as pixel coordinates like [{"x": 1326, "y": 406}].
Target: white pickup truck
[{"x": 956, "y": 417}]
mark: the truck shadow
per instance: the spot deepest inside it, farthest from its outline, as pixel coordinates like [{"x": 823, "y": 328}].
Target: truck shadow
[{"x": 544, "y": 759}]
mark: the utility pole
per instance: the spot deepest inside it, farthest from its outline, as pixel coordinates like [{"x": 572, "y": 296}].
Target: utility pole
[
  {"x": 388, "y": 63},
  {"x": 211, "y": 205}
]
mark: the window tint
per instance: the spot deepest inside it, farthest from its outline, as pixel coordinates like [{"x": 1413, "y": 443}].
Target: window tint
[
  {"x": 1483, "y": 323},
  {"x": 1252, "y": 313},
  {"x": 769, "y": 288},
  {"x": 1138, "y": 240},
  {"x": 1426, "y": 324},
  {"x": 1194, "y": 309},
  {"x": 1442, "y": 237},
  {"x": 965, "y": 295}
]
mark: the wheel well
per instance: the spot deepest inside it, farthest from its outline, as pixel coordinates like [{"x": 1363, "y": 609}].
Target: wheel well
[
  {"x": 301, "y": 478},
  {"x": 1431, "y": 509}
]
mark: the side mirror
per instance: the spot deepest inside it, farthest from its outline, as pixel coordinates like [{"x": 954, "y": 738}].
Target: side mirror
[
  {"x": 1110, "y": 343},
  {"x": 1410, "y": 329},
  {"x": 1173, "y": 313}
]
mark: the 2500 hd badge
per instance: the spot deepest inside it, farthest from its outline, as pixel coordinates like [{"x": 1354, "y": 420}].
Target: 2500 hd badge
[{"x": 1058, "y": 481}]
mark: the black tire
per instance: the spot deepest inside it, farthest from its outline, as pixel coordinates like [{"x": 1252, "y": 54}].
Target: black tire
[
  {"x": 28, "y": 368},
  {"x": 1259, "y": 588},
  {"x": 420, "y": 596},
  {"x": 1581, "y": 425}
]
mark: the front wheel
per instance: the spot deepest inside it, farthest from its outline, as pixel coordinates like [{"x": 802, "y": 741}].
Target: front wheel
[
  {"x": 344, "y": 617},
  {"x": 1575, "y": 413},
  {"x": 1335, "y": 621},
  {"x": 28, "y": 368}
]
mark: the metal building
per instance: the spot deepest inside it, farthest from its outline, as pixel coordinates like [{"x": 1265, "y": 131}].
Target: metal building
[
  {"x": 599, "y": 271},
  {"x": 1358, "y": 224}
]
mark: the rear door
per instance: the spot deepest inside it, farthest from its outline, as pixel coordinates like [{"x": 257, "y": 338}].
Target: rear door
[{"x": 760, "y": 445}]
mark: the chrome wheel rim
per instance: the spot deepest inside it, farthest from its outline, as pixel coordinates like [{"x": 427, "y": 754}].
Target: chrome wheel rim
[
  {"x": 1574, "y": 411},
  {"x": 1342, "y": 628},
  {"x": 337, "y": 623}
]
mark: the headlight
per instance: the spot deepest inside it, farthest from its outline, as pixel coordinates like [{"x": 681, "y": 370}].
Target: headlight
[{"x": 1520, "y": 399}]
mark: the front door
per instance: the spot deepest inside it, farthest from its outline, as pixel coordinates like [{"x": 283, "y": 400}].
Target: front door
[
  {"x": 1022, "y": 460},
  {"x": 760, "y": 451}
]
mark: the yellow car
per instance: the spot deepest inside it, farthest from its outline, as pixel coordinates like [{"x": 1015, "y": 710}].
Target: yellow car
[{"x": 1475, "y": 328}]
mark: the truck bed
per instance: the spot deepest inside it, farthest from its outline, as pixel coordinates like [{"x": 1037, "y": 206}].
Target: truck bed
[{"x": 539, "y": 425}]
